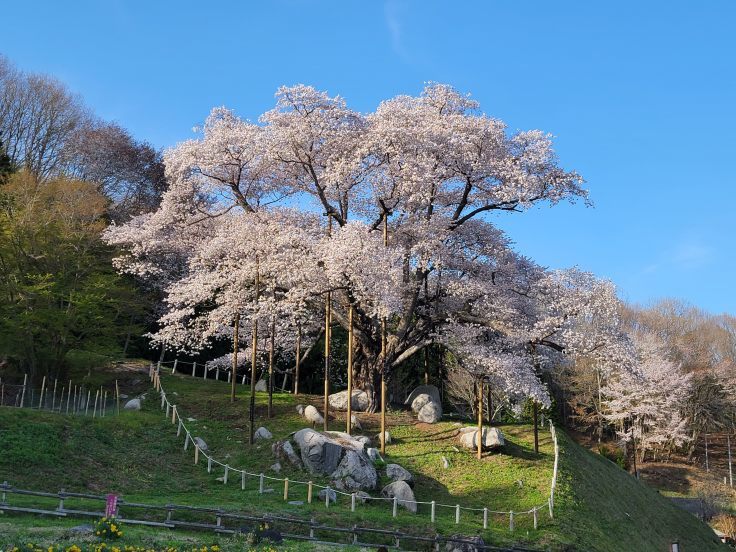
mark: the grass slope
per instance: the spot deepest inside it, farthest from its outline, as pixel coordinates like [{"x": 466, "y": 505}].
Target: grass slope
[{"x": 139, "y": 456}]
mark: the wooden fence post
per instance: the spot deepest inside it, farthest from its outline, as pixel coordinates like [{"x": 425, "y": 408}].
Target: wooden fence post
[
  {"x": 431, "y": 515},
  {"x": 286, "y": 489},
  {"x": 395, "y": 507},
  {"x": 242, "y": 480},
  {"x": 352, "y": 502},
  {"x": 117, "y": 396},
  {"x": 536, "y": 520},
  {"x": 196, "y": 454},
  {"x": 511, "y": 520},
  {"x": 309, "y": 492},
  {"x": 260, "y": 484},
  {"x": 43, "y": 387},
  {"x": 173, "y": 369},
  {"x": 457, "y": 514},
  {"x": 194, "y": 368},
  {"x": 23, "y": 393},
  {"x": 485, "y": 518}
]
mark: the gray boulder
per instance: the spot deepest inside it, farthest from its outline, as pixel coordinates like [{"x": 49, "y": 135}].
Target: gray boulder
[
  {"x": 397, "y": 473},
  {"x": 324, "y": 493},
  {"x": 284, "y": 451},
  {"x": 339, "y": 456},
  {"x": 262, "y": 433},
  {"x": 261, "y": 386},
  {"x": 276, "y": 467},
  {"x": 470, "y": 544},
  {"x": 355, "y": 472},
  {"x": 430, "y": 390},
  {"x": 133, "y": 404},
  {"x": 362, "y": 496},
  {"x": 300, "y": 409},
  {"x": 430, "y": 413},
  {"x": 492, "y": 438},
  {"x": 359, "y": 402},
  {"x": 201, "y": 444},
  {"x": 312, "y": 415},
  {"x": 419, "y": 401},
  {"x": 402, "y": 491}
]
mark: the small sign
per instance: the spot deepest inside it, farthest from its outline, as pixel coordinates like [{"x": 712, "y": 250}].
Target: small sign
[{"x": 111, "y": 506}]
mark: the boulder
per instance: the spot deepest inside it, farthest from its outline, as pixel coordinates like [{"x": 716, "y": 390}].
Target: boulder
[
  {"x": 133, "y": 404},
  {"x": 360, "y": 401},
  {"x": 469, "y": 544},
  {"x": 430, "y": 413},
  {"x": 276, "y": 467},
  {"x": 363, "y": 439},
  {"x": 81, "y": 530},
  {"x": 355, "y": 472},
  {"x": 284, "y": 451},
  {"x": 362, "y": 496},
  {"x": 300, "y": 409},
  {"x": 388, "y": 437},
  {"x": 492, "y": 438},
  {"x": 324, "y": 493},
  {"x": 339, "y": 456},
  {"x": 262, "y": 433},
  {"x": 430, "y": 390},
  {"x": 261, "y": 385},
  {"x": 201, "y": 445},
  {"x": 397, "y": 473},
  {"x": 374, "y": 454},
  {"x": 312, "y": 415},
  {"x": 355, "y": 422},
  {"x": 419, "y": 401},
  {"x": 402, "y": 491}
]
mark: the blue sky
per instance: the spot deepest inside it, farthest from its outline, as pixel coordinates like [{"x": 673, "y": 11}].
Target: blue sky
[{"x": 640, "y": 95}]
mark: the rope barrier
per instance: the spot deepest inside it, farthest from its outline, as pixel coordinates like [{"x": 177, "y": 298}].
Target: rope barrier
[{"x": 177, "y": 416}]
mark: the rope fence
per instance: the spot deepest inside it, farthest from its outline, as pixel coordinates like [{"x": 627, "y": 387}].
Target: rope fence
[{"x": 173, "y": 413}]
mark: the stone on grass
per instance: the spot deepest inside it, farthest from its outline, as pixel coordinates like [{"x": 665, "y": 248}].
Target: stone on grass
[
  {"x": 338, "y": 456},
  {"x": 355, "y": 422},
  {"x": 397, "y": 473},
  {"x": 328, "y": 492},
  {"x": 362, "y": 496},
  {"x": 445, "y": 462},
  {"x": 312, "y": 415},
  {"x": 191, "y": 419},
  {"x": 374, "y": 454},
  {"x": 419, "y": 401},
  {"x": 284, "y": 451},
  {"x": 388, "y": 437},
  {"x": 276, "y": 467},
  {"x": 262, "y": 433},
  {"x": 360, "y": 401},
  {"x": 402, "y": 491},
  {"x": 300, "y": 409},
  {"x": 430, "y": 413},
  {"x": 471, "y": 544},
  {"x": 201, "y": 445},
  {"x": 261, "y": 386},
  {"x": 492, "y": 438},
  {"x": 430, "y": 390},
  {"x": 133, "y": 404},
  {"x": 81, "y": 530}
]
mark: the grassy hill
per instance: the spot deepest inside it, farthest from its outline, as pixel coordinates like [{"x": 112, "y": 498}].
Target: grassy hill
[{"x": 599, "y": 506}]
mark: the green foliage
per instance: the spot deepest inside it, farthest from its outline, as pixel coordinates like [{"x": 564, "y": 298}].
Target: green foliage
[
  {"x": 108, "y": 528},
  {"x": 6, "y": 165},
  {"x": 58, "y": 289}
]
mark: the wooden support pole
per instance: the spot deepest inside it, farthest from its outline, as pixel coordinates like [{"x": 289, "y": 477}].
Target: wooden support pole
[
  {"x": 485, "y": 518},
  {"x": 194, "y": 368},
  {"x": 104, "y": 404},
  {"x": 173, "y": 368},
  {"x": 511, "y": 521},
  {"x": 535, "y": 415},
  {"x": 309, "y": 492},
  {"x": 53, "y": 396},
  {"x": 173, "y": 414},
  {"x": 349, "y": 425},
  {"x": 117, "y": 396},
  {"x": 260, "y": 483},
  {"x": 271, "y": 353},
  {"x": 286, "y": 489},
  {"x": 298, "y": 356},
  {"x": 480, "y": 418},
  {"x": 384, "y": 404},
  {"x": 432, "y": 511},
  {"x": 536, "y": 519},
  {"x": 328, "y": 336},
  {"x": 242, "y": 480},
  {"x": 395, "y": 509},
  {"x": 97, "y": 394},
  {"x": 61, "y": 399},
  {"x": 196, "y": 454},
  {"x": 352, "y": 502},
  {"x": 224, "y": 477},
  {"x": 457, "y": 514},
  {"x": 253, "y": 361},
  {"x": 86, "y": 404}
]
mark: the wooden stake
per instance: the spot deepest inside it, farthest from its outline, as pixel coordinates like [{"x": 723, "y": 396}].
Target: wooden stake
[
  {"x": 68, "y": 396},
  {"x": 309, "y": 492},
  {"x": 117, "y": 396},
  {"x": 43, "y": 388},
  {"x": 535, "y": 414},
  {"x": 298, "y": 356},
  {"x": 253, "y": 360},
  {"x": 53, "y": 396},
  {"x": 86, "y": 405},
  {"x": 480, "y": 418},
  {"x": 94, "y": 412},
  {"x": 23, "y": 393},
  {"x": 286, "y": 489},
  {"x": 349, "y": 424}
]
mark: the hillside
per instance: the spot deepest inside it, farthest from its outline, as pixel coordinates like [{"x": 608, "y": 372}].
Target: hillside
[{"x": 599, "y": 506}]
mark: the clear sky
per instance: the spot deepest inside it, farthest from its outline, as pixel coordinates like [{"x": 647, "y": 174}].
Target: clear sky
[{"x": 640, "y": 95}]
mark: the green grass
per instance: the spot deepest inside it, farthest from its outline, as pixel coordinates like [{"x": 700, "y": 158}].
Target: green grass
[{"x": 139, "y": 456}]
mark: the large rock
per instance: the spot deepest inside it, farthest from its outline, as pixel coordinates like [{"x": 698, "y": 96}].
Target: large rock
[
  {"x": 397, "y": 473},
  {"x": 284, "y": 451},
  {"x": 262, "y": 433},
  {"x": 300, "y": 409},
  {"x": 430, "y": 390},
  {"x": 402, "y": 491},
  {"x": 492, "y": 438},
  {"x": 430, "y": 413},
  {"x": 311, "y": 414},
  {"x": 355, "y": 472},
  {"x": 359, "y": 403},
  {"x": 471, "y": 544},
  {"x": 339, "y": 456},
  {"x": 201, "y": 445},
  {"x": 324, "y": 493},
  {"x": 261, "y": 386},
  {"x": 133, "y": 404}
]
